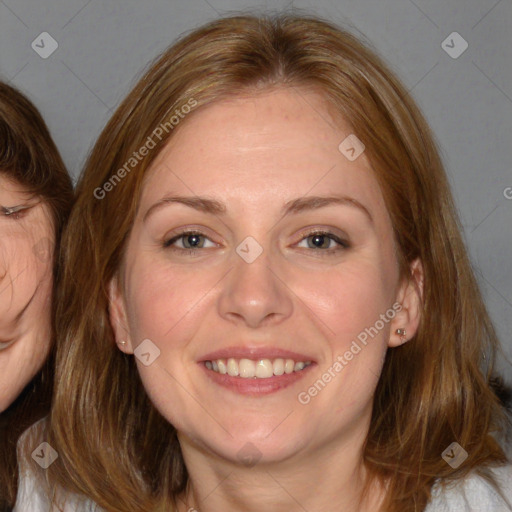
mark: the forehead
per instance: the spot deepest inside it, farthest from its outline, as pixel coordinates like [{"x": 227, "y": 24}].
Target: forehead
[
  {"x": 12, "y": 191},
  {"x": 249, "y": 149},
  {"x": 8, "y": 184}
]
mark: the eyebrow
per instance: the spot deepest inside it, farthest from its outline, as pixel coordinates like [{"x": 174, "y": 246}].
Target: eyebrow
[{"x": 301, "y": 204}]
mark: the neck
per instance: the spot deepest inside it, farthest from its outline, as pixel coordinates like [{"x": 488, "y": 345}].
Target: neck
[{"x": 331, "y": 474}]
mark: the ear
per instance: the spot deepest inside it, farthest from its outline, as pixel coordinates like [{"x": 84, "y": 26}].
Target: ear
[
  {"x": 117, "y": 314},
  {"x": 410, "y": 296}
]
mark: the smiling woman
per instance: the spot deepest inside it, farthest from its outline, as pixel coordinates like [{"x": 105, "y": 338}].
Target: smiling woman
[
  {"x": 35, "y": 199},
  {"x": 300, "y": 207}
]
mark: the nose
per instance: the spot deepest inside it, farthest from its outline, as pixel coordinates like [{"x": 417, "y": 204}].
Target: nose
[{"x": 255, "y": 294}]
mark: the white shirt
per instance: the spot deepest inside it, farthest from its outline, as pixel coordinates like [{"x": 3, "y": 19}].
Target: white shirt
[
  {"x": 34, "y": 494},
  {"x": 472, "y": 494}
]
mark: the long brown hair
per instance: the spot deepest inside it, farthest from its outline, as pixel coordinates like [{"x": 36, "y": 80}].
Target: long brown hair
[
  {"x": 114, "y": 446},
  {"x": 29, "y": 157}
]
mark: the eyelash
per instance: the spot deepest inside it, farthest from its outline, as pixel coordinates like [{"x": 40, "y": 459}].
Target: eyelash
[
  {"x": 14, "y": 212},
  {"x": 193, "y": 252}
]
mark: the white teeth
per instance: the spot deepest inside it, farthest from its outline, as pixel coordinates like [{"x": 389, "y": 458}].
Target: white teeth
[
  {"x": 232, "y": 367},
  {"x": 264, "y": 369},
  {"x": 260, "y": 369},
  {"x": 247, "y": 368},
  {"x": 278, "y": 367},
  {"x": 222, "y": 366}
]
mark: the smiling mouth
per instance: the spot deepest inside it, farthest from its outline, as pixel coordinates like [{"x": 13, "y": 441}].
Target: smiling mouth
[
  {"x": 256, "y": 369},
  {"x": 256, "y": 377}
]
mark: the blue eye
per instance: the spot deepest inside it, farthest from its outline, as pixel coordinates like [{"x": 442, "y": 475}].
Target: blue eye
[
  {"x": 191, "y": 241},
  {"x": 188, "y": 236},
  {"x": 325, "y": 236}
]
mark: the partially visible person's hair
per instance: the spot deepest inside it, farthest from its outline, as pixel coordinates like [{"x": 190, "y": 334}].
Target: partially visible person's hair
[
  {"x": 29, "y": 157},
  {"x": 113, "y": 445}
]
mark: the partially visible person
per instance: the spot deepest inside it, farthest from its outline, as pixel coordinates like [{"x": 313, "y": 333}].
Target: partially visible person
[{"x": 36, "y": 195}]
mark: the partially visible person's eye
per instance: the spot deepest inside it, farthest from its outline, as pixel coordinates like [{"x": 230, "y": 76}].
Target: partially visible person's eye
[
  {"x": 15, "y": 212},
  {"x": 322, "y": 240}
]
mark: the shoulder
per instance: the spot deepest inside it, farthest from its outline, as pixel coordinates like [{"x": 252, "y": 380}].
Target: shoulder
[
  {"x": 31, "y": 495},
  {"x": 474, "y": 493},
  {"x": 35, "y": 455}
]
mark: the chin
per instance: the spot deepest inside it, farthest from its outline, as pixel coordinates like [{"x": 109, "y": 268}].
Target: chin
[{"x": 248, "y": 449}]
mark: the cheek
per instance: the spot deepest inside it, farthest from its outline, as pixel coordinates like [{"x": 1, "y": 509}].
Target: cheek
[
  {"x": 164, "y": 302},
  {"x": 19, "y": 365},
  {"x": 347, "y": 299},
  {"x": 347, "y": 305},
  {"x": 164, "y": 306},
  {"x": 24, "y": 271}
]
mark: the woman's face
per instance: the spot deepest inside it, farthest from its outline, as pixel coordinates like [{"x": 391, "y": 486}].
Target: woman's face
[
  {"x": 256, "y": 284},
  {"x": 26, "y": 255}
]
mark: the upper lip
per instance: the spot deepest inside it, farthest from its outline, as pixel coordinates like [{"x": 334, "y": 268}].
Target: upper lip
[{"x": 255, "y": 353}]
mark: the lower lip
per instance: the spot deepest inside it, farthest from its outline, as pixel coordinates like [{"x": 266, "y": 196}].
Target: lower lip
[{"x": 256, "y": 386}]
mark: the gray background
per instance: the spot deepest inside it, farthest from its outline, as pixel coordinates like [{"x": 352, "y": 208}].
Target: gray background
[{"x": 104, "y": 46}]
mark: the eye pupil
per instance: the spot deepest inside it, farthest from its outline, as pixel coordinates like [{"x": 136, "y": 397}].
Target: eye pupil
[
  {"x": 320, "y": 238},
  {"x": 193, "y": 237}
]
